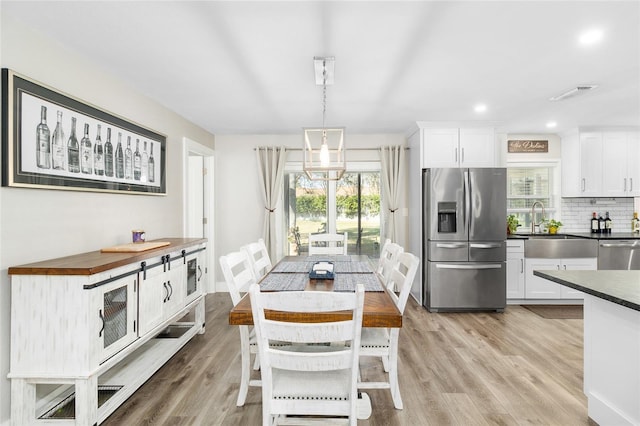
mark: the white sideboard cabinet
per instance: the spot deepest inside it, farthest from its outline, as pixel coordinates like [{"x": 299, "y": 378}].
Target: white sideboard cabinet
[{"x": 88, "y": 330}]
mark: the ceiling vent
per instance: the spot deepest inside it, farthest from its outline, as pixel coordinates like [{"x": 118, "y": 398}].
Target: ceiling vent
[{"x": 573, "y": 92}]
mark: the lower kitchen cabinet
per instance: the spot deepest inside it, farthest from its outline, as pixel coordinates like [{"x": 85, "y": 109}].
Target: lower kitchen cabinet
[
  {"x": 539, "y": 288},
  {"x": 515, "y": 269},
  {"x": 101, "y": 326}
]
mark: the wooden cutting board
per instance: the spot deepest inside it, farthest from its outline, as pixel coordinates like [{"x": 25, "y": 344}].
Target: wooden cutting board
[{"x": 135, "y": 247}]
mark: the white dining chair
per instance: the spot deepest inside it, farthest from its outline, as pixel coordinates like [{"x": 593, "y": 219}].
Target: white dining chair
[
  {"x": 239, "y": 275},
  {"x": 259, "y": 258},
  {"x": 317, "y": 379},
  {"x": 388, "y": 258},
  {"x": 330, "y": 244},
  {"x": 383, "y": 342}
]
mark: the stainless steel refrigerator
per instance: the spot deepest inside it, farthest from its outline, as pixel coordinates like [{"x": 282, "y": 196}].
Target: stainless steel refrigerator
[{"x": 464, "y": 238}]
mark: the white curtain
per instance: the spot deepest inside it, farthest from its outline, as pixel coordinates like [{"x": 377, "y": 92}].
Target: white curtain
[
  {"x": 392, "y": 159},
  {"x": 271, "y": 161}
]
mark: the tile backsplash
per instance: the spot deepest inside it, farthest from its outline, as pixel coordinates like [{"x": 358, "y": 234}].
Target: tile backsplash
[{"x": 577, "y": 212}]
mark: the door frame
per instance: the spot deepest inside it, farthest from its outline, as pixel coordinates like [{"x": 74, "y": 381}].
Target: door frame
[{"x": 191, "y": 148}]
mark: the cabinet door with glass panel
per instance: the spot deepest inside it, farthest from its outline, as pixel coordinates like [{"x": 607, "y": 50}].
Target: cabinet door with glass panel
[
  {"x": 115, "y": 315},
  {"x": 350, "y": 205}
]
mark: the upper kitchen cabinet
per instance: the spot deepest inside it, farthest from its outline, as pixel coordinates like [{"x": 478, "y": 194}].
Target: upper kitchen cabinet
[
  {"x": 600, "y": 164},
  {"x": 458, "y": 147}
]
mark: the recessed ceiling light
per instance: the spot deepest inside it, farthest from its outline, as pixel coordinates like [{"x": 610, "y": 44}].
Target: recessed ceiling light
[
  {"x": 551, "y": 124},
  {"x": 591, "y": 36},
  {"x": 480, "y": 108}
]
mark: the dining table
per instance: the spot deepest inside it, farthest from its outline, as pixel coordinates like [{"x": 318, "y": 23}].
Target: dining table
[
  {"x": 379, "y": 308},
  {"x": 293, "y": 273}
]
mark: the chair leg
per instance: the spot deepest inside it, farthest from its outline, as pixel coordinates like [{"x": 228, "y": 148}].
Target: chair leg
[
  {"x": 245, "y": 361},
  {"x": 393, "y": 368},
  {"x": 256, "y": 363},
  {"x": 385, "y": 363}
]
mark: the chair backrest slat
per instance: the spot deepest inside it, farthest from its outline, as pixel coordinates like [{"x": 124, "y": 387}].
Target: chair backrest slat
[
  {"x": 310, "y": 358},
  {"x": 328, "y": 243},
  {"x": 238, "y": 274},
  {"x": 401, "y": 277},
  {"x": 388, "y": 257},
  {"x": 259, "y": 258}
]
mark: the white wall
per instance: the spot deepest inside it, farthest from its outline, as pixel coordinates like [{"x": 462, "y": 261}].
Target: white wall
[
  {"x": 239, "y": 209},
  {"x": 40, "y": 224}
]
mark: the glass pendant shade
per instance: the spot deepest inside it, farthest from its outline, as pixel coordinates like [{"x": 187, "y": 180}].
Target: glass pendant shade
[{"x": 323, "y": 151}]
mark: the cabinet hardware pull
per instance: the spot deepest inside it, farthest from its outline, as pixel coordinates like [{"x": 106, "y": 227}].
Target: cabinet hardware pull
[
  {"x": 456, "y": 155},
  {"x": 199, "y": 276},
  {"x": 170, "y": 288},
  {"x": 163, "y": 260},
  {"x": 169, "y": 262},
  {"x": 143, "y": 266},
  {"x": 630, "y": 184},
  {"x": 583, "y": 184},
  {"x": 167, "y": 290},
  {"x": 102, "y": 319},
  {"x": 522, "y": 266},
  {"x": 625, "y": 184},
  {"x": 184, "y": 257},
  {"x": 462, "y": 156}
]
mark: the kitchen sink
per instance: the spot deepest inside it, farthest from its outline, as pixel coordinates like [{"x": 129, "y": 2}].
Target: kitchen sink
[{"x": 559, "y": 246}]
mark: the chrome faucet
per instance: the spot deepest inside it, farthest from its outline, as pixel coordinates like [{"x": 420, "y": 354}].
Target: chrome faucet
[{"x": 533, "y": 219}]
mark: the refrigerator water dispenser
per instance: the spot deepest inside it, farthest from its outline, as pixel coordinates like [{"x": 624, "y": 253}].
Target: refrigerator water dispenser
[{"x": 447, "y": 217}]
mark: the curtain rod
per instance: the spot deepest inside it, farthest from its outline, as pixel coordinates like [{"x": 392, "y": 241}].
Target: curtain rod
[{"x": 348, "y": 149}]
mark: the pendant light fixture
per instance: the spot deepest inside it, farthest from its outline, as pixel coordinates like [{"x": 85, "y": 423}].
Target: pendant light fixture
[{"x": 323, "y": 149}]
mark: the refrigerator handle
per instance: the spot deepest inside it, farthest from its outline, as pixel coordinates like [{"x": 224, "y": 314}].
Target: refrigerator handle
[
  {"x": 466, "y": 194},
  {"x": 458, "y": 266},
  {"x": 485, "y": 245},
  {"x": 451, "y": 245}
]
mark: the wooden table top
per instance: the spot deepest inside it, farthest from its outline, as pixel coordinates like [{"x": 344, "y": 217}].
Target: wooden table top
[
  {"x": 379, "y": 310},
  {"x": 96, "y": 261}
]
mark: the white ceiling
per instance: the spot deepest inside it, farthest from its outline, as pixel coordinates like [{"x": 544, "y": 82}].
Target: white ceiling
[{"x": 247, "y": 67}]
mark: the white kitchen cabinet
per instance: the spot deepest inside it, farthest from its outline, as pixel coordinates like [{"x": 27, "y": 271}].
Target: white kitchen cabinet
[
  {"x": 591, "y": 164},
  {"x": 621, "y": 157},
  {"x": 540, "y": 288},
  {"x": 515, "y": 269},
  {"x": 600, "y": 164},
  {"x": 98, "y": 324},
  {"x": 458, "y": 147}
]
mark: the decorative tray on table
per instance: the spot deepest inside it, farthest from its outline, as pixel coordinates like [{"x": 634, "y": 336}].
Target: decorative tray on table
[{"x": 322, "y": 271}]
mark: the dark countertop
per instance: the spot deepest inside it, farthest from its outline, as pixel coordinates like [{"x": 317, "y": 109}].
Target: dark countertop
[
  {"x": 620, "y": 287},
  {"x": 587, "y": 235}
]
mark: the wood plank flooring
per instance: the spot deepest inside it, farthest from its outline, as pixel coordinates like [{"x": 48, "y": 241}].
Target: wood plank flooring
[{"x": 455, "y": 369}]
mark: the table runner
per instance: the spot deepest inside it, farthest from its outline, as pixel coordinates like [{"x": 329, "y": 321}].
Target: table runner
[
  {"x": 292, "y": 266},
  {"x": 284, "y": 282},
  {"x": 347, "y": 282},
  {"x": 356, "y": 267}
]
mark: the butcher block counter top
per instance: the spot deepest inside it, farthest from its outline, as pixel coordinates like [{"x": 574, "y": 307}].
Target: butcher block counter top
[{"x": 97, "y": 261}]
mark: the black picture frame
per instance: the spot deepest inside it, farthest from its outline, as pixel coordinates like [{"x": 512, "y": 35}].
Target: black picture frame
[{"x": 29, "y": 160}]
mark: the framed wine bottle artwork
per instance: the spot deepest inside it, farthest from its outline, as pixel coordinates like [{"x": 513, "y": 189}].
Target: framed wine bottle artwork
[{"x": 53, "y": 140}]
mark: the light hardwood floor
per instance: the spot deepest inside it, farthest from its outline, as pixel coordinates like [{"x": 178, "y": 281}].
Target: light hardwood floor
[{"x": 455, "y": 368}]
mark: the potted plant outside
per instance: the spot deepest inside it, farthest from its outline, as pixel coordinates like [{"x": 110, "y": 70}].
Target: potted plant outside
[{"x": 512, "y": 224}]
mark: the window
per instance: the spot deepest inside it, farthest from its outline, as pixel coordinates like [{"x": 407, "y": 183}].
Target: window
[
  {"x": 350, "y": 205},
  {"x": 531, "y": 182}
]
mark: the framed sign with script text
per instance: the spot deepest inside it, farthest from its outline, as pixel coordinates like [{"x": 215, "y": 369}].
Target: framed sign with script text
[{"x": 527, "y": 146}]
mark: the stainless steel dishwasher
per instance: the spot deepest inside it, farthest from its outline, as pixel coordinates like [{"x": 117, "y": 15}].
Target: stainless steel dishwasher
[{"x": 619, "y": 254}]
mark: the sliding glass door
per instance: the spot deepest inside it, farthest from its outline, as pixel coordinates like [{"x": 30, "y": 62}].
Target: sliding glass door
[{"x": 350, "y": 205}]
